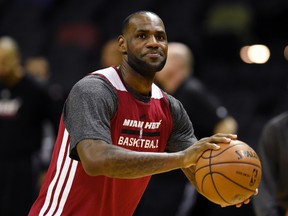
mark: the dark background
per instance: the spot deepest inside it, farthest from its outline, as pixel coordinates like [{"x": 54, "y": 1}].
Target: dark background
[{"x": 71, "y": 33}]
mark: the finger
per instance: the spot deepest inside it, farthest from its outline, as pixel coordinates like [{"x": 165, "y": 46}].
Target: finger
[
  {"x": 219, "y": 139},
  {"x": 231, "y": 136},
  {"x": 204, "y": 147},
  {"x": 223, "y": 138},
  {"x": 247, "y": 201},
  {"x": 238, "y": 205},
  {"x": 214, "y": 146},
  {"x": 205, "y": 144}
]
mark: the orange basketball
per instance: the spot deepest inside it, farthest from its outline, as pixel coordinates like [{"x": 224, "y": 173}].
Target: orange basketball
[{"x": 230, "y": 175}]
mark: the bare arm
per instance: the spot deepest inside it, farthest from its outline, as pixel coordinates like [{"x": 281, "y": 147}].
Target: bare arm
[{"x": 100, "y": 158}]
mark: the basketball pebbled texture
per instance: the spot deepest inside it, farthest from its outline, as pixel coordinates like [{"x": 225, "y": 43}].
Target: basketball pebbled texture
[{"x": 230, "y": 175}]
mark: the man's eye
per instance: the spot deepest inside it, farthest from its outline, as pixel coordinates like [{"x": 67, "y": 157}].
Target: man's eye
[
  {"x": 142, "y": 36},
  {"x": 160, "y": 38}
]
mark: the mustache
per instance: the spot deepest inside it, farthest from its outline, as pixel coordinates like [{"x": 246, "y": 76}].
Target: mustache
[{"x": 153, "y": 51}]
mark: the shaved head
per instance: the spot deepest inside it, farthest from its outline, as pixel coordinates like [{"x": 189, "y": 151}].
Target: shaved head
[{"x": 126, "y": 22}]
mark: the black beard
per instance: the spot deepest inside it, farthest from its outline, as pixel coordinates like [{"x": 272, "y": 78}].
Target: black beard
[{"x": 143, "y": 68}]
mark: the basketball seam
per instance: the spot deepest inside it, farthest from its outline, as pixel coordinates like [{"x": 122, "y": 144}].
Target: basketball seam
[
  {"x": 215, "y": 187},
  {"x": 212, "y": 156},
  {"x": 227, "y": 162},
  {"x": 231, "y": 180},
  {"x": 212, "y": 175}
]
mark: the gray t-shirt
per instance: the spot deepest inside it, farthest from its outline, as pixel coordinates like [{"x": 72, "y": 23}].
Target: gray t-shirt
[{"x": 93, "y": 102}]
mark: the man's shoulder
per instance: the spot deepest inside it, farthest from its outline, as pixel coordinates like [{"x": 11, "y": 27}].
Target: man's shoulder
[
  {"x": 94, "y": 78},
  {"x": 92, "y": 84}
]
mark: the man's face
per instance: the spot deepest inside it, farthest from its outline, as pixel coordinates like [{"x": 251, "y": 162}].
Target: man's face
[{"x": 146, "y": 44}]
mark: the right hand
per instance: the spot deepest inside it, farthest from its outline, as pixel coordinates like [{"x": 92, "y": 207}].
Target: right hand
[{"x": 193, "y": 153}]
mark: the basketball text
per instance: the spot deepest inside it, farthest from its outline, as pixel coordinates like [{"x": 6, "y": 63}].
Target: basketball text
[{"x": 246, "y": 154}]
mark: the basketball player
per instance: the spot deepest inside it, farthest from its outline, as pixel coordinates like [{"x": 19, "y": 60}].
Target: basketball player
[{"x": 115, "y": 127}]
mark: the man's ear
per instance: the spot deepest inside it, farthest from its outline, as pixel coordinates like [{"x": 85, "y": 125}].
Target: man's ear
[{"x": 122, "y": 44}]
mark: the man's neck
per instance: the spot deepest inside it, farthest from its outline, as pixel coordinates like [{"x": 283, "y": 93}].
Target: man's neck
[{"x": 140, "y": 84}]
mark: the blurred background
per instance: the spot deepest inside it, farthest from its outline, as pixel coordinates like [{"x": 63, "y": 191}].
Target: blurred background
[{"x": 240, "y": 46}]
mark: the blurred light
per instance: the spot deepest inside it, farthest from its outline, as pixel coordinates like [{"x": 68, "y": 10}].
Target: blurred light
[
  {"x": 258, "y": 54},
  {"x": 244, "y": 55}
]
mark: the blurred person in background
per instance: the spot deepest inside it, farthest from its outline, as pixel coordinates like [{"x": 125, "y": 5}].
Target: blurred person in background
[
  {"x": 208, "y": 116},
  {"x": 24, "y": 105},
  {"x": 110, "y": 54},
  {"x": 272, "y": 199},
  {"x": 38, "y": 67}
]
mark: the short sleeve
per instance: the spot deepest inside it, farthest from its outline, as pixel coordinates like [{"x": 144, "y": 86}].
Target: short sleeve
[
  {"x": 182, "y": 135},
  {"x": 88, "y": 109}
]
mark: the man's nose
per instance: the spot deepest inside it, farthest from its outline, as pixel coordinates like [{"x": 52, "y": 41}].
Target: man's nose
[{"x": 153, "y": 41}]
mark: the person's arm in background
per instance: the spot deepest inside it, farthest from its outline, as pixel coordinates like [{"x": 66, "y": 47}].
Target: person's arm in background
[{"x": 266, "y": 203}]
